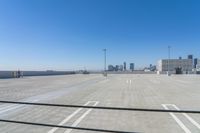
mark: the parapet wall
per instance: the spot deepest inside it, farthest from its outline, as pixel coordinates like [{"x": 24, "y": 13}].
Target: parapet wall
[{"x": 10, "y": 74}]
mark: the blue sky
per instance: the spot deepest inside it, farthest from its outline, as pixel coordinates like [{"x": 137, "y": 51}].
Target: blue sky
[{"x": 70, "y": 34}]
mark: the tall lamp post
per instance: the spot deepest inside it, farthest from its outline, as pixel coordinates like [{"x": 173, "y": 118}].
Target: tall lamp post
[
  {"x": 105, "y": 62},
  {"x": 169, "y": 54}
]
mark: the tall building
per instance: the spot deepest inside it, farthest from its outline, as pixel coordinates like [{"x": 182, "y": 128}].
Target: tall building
[
  {"x": 186, "y": 65},
  {"x": 121, "y": 68},
  {"x": 195, "y": 62},
  {"x": 124, "y": 66},
  {"x": 111, "y": 68},
  {"x": 198, "y": 64},
  {"x": 117, "y": 68},
  {"x": 132, "y": 66},
  {"x": 190, "y": 57}
]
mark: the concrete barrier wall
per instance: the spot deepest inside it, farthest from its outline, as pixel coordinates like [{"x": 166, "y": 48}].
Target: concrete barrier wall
[
  {"x": 5, "y": 74},
  {"x": 9, "y": 74},
  {"x": 124, "y": 72},
  {"x": 134, "y": 72}
]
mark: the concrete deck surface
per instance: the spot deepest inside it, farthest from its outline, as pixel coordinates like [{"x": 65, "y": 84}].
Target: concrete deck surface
[{"x": 123, "y": 90}]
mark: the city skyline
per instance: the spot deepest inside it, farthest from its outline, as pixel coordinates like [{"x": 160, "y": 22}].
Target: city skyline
[{"x": 70, "y": 35}]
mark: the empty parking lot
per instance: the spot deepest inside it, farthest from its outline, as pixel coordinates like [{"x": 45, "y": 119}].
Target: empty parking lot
[{"x": 128, "y": 91}]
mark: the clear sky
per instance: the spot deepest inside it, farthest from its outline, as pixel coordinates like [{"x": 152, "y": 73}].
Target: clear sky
[{"x": 70, "y": 34}]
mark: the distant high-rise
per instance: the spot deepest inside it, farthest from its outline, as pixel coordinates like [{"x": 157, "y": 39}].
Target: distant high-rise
[
  {"x": 111, "y": 68},
  {"x": 198, "y": 64},
  {"x": 117, "y": 68},
  {"x": 124, "y": 66},
  {"x": 121, "y": 68},
  {"x": 132, "y": 66},
  {"x": 190, "y": 57},
  {"x": 195, "y": 62}
]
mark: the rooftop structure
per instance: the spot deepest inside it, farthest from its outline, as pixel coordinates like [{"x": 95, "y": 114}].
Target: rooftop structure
[{"x": 165, "y": 65}]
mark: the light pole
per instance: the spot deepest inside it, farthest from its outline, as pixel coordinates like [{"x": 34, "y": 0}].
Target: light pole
[
  {"x": 105, "y": 62},
  {"x": 169, "y": 54}
]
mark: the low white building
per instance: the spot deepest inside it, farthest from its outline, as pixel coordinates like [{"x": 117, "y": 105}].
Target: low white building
[{"x": 186, "y": 65}]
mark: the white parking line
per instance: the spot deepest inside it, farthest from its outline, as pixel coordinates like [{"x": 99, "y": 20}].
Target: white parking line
[
  {"x": 10, "y": 108},
  {"x": 128, "y": 81},
  {"x": 80, "y": 118},
  {"x": 7, "y": 107},
  {"x": 178, "y": 121},
  {"x": 69, "y": 117},
  {"x": 189, "y": 118}
]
